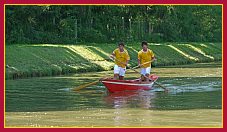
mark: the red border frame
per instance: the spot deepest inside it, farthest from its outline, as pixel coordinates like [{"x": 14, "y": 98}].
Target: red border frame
[{"x": 2, "y": 2}]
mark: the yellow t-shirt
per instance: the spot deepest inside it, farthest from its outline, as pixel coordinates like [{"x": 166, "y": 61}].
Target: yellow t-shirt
[
  {"x": 121, "y": 57},
  {"x": 145, "y": 57}
]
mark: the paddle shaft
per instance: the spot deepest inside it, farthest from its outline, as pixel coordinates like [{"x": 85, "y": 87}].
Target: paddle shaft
[
  {"x": 134, "y": 69},
  {"x": 85, "y": 85},
  {"x": 131, "y": 67},
  {"x": 95, "y": 82},
  {"x": 150, "y": 79},
  {"x": 142, "y": 64}
]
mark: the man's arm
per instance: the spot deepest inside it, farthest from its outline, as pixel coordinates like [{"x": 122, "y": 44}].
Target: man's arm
[
  {"x": 153, "y": 58},
  {"x": 112, "y": 55},
  {"x": 138, "y": 62},
  {"x": 126, "y": 63},
  {"x": 138, "y": 58}
]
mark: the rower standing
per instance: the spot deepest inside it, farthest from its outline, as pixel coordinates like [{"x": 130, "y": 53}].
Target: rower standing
[
  {"x": 145, "y": 56},
  {"x": 121, "y": 61}
]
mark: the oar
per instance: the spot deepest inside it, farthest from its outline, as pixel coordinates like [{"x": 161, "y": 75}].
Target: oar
[
  {"x": 85, "y": 85},
  {"x": 141, "y": 64},
  {"x": 161, "y": 86},
  {"x": 139, "y": 72},
  {"x": 129, "y": 66},
  {"x": 151, "y": 80}
]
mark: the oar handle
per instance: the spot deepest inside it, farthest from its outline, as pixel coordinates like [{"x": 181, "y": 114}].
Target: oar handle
[
  {"x": 151, "y": 80},
  {"x": 142, "y": 64},
  {"x": 114, "y": 58},
  {"x": 134, "y": 69}
]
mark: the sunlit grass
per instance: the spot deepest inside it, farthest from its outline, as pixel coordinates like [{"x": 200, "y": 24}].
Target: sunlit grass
[
  {"x": 200, "y": 51},
  {"x": 83, "y": 51},
  {"x": 100, "y": 50},
  {"x": 49, "y": 59},
  {"x": 183, "y": 53}
]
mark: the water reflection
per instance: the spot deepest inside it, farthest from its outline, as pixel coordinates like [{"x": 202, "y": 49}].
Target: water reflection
[{"x": 131, "y": 99}]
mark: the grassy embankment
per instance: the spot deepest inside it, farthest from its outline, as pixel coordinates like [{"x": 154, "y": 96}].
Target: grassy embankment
[{"x": 47, "y": 60}]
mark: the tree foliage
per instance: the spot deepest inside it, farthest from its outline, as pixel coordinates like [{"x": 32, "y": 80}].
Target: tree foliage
[{"x": 99, "y": 24}]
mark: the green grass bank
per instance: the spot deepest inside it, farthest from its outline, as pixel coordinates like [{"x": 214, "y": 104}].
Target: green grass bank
[{"x": 48, "y": 60}]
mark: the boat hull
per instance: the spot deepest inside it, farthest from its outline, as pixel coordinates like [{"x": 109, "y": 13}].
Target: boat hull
[{"x": 124, "y": 85}]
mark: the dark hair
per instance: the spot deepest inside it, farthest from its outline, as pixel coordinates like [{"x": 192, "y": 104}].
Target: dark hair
[
  {"x": 144, "y": 43},
  {"x": 121, "y": 43}
]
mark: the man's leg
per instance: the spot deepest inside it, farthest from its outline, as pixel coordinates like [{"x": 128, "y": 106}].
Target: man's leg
[
  {"x": 148, "y": 70},
  {"x": 116, "y": 72},
  {"x": 142, "y": 78},
  {"x": 142, "y": 71},
  {"x": 147, "y": 78},
  {"x": 116, "y": 76},
  {"x": 122, "y": 73},
  {"x": 121, "y": 77}
]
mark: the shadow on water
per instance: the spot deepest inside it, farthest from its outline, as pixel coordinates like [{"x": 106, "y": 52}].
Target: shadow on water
[{"x": 55, "y": 94}]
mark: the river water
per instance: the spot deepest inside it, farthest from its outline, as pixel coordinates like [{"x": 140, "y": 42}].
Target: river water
[{"x": 194, "y": 99}]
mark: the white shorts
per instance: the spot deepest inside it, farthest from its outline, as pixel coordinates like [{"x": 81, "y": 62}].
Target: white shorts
[
  {"x": 145, "y": 71},
  {"x": 119, "y": 70}
]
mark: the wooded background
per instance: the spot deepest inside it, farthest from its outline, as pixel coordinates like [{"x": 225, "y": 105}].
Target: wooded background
[{"x": 72, "y": 24}]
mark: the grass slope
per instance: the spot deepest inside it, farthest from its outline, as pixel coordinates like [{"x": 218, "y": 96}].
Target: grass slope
[{"x": 48, "y": 60}]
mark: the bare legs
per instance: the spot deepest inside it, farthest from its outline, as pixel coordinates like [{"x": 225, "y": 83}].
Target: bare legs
[
  {"x": 116, "y": 76},
  {"x": 145, "y": 79},
  {"x": 121, "y": 77}
]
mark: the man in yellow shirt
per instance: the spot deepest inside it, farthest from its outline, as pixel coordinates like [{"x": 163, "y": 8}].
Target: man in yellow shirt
[
  {"x": 121, "y": 61},
  {"x": 145, "y": 56}
]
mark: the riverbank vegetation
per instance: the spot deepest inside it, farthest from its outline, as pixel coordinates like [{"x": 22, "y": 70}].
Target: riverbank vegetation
[
  {"x": 48, "y": 60},
  {"x": 47, "y": 40}
]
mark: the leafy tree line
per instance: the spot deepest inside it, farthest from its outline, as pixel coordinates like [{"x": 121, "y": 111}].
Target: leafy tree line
[{"x": 105, "y": 24}]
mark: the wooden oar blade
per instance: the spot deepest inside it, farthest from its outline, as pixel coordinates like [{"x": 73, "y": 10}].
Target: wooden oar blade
[{"x": 85, "y": 85}]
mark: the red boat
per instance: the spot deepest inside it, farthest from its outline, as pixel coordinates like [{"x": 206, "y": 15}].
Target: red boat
[{"x": 122, "y": 85}]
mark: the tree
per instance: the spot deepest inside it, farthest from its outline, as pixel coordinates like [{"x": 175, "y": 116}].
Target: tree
[{"x": 72, "y": 24}]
